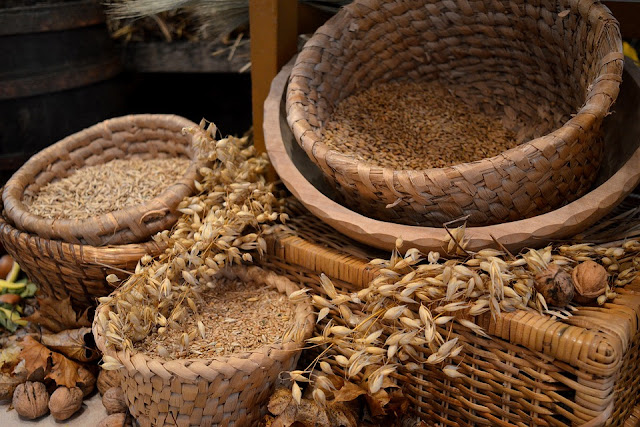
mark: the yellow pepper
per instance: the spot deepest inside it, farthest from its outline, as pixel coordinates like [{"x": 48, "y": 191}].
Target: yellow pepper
[
  {"x": 14, "y": 317},
  {"x": 13, "y": 274},
  {"x": 8, "y": 284}
]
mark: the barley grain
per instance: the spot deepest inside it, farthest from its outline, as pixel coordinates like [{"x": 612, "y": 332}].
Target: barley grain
[{"x": 414, "y": 125}]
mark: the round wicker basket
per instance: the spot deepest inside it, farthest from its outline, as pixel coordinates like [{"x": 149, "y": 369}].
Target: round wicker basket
[
  {"x": 144, "y": 136},
  {"x": 551, "y": 69},
  {"x": 226, "y": 391},
  {"x": 64, "y": 270}
]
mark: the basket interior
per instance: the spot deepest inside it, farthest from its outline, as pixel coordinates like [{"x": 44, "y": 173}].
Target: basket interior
[
  {"x": 529, "y": 63},
  {"x": 93, "y": 147},
  {"x": 621, "y": 130}
]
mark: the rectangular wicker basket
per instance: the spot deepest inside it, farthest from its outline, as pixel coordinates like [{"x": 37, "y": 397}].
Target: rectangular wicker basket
[{"x": 533, "y": 370}]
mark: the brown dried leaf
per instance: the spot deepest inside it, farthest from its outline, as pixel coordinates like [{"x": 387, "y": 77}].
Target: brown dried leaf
[
  {"x": 280, "y": 399},
  {"x": 77, "y": 344},
  {"x": 9, "y": 357},
  {"x": 58, "y": 315},
  {"x": 341, "y": 415},
  {"x": 377, "y": 402},
  {"x": 42, "y": 362},
  {"x": 309, "y": 414},
  {"x": 64, "y": 371},
  {"x": 8, "y": 384},
  {"x": 35, "y": 356},
  {"x": 348, "y": 392}
]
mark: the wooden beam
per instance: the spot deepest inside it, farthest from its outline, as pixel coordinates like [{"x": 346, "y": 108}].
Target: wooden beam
[{"x": 274, "y": 32}]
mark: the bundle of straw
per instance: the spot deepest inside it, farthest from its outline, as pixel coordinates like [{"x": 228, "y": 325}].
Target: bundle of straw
[{"x": 215, "y": 18}]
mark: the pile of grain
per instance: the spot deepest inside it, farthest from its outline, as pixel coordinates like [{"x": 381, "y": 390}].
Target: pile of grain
[
  {"x": 236, "y": 317},
  {"x": 410, "y": 125},
  {"x": 95, "y": 190}
]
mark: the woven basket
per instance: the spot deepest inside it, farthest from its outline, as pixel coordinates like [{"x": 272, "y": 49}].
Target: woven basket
[
  {"x": 64, "y": 270},
  {"x": 551, "y": 69},
  {"x": 222, "y": 391},
  {"x": 534, "y": 370},
  {"x": 145, "y": 136}
]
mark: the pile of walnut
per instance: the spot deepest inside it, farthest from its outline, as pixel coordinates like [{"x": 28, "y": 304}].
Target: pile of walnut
[
  {"x": 32, "y": 400},
  {"x": 587, "y": 283},
  {"x": 51, "y": 365},
  {"x": 113, "y": 401}
]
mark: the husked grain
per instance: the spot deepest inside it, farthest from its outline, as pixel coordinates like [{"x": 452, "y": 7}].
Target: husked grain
[
  {"x": 414, "y": 125},
  {"x": 237, "y": 317},
  {"x": 114, "y": 185}
]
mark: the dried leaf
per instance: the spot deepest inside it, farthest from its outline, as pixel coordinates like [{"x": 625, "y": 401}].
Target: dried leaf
[
  {"x": 36, "y": 357},
  {"x": 349, "y": 392},
  {"x": 40, "y": 361},
  {"x": 8, "y": 384},
  {"x": 308, "y": 414},
  {"x": 77, "y": 344},
  {"x": 340, "y": 414},
  {"x": 58, "y": 315},
  {"x": 377, "y": 402},
  {"x": 64, "y": 371},
  {"x": 9, "y": 357}
]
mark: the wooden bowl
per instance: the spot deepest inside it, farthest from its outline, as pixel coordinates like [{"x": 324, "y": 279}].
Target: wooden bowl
[{"x": 618, "y": 176}]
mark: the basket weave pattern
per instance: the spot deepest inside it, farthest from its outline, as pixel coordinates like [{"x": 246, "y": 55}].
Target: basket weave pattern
[
  {"x": 534, "y": 370},
  {"x": 145, "y": 136},
  {"x": 222, "y": 391},
  {"x": 536, "y": 64},
  {"x": 64, "y": 270}
]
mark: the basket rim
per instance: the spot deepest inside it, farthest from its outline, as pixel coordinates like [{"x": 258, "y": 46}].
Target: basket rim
[
  {"x": 23, "y": 219},
  {"x": 86, "y": 253},
  {"x": 303, "y": 310},
  {"x": 347, "y": 163}
]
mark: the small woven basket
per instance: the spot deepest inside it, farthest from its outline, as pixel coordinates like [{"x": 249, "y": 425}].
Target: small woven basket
[
  {"x": 64, "y": 270},
  {"x": 222, "y": 391},
  {"x": 145, "y": 136},
  {"x": 550, "y": 69}
]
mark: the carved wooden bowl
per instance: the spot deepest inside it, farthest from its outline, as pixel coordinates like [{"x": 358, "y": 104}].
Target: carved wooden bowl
[{"x": 617, "y": 177}]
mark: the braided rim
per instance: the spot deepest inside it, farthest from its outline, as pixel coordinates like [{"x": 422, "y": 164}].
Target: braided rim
[
  {"x": 191, "y": 369},
  {"x": 162, "y": 206},
  {"x": 602, "y": 93}
]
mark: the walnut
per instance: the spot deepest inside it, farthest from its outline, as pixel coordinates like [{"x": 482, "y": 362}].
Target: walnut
[
  {"x": 86, "y": 381},
  {"x": 30, "y": 400},
  {"x": 113, "y": 401},
  {"x": 590, "y": 281},
  {"x": 115, "y": 420},
  {"x": 106, "y": 380},
  {"x": 65, "y": 402},
  {"x": 555, "y": 285}
]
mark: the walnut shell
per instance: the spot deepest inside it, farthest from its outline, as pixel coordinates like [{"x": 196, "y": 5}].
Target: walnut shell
[
  {"x": 114, "y": 401},
  {"x": 86, "y": 381},
  {"x": 106, "y": 380},
  {"x": 115, "y": 420},
  {"x": 590, "y": 281},
  {"x": 555, "y": 285},
  {"x": 31, "y": 400},
  {"x": 65, "y": 402}
]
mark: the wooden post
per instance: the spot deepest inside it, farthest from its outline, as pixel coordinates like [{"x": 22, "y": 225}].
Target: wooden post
[{"x": 274, "y": 33}]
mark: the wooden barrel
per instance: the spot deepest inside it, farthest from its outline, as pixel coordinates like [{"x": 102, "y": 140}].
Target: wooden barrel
[{"x": 58, "y": 74}]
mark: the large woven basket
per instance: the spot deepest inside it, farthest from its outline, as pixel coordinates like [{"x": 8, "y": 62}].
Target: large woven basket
[
  {"x": 64, "y": 270},
  {"x": 551, "y": 69},
  {"x": 533, "y": 370},
  {"x": 145, "y": 136},
  {"x": 222, "y": 391}
]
